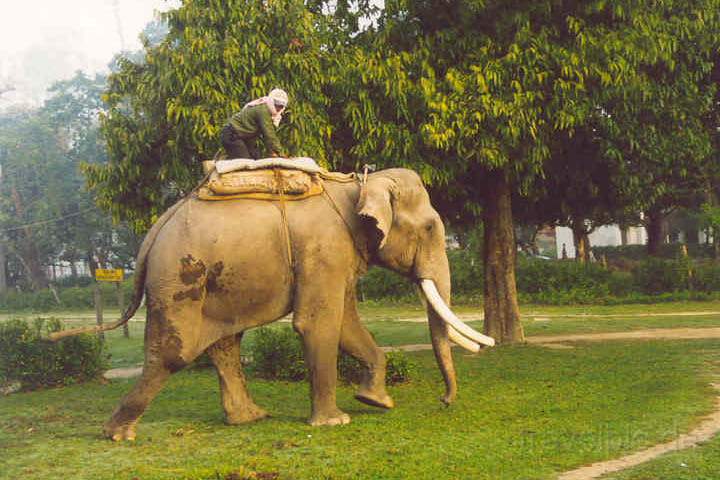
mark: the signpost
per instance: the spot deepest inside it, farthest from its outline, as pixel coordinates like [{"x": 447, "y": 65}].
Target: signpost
[{"x": 113, "y": 275}]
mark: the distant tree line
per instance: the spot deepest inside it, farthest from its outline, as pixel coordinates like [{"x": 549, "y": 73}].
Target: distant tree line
[{"x": 47, "y": 215}]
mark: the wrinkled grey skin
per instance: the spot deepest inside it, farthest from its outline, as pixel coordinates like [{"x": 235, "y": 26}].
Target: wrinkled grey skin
[{"x": 212, "y": 270}]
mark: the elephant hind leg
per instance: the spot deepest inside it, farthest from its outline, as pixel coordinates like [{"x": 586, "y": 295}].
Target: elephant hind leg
[
  {"x": 163, "y": 346},
  {"x": 236, "y": 401},
  {"x": 121, "y": 425},
  {"x": 356, "y": 340}
]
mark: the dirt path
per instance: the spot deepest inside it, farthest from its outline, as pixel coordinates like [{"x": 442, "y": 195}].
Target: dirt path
[
  {"x": 471, "y": 317},
  {"x": 649, "y": 334},
  {"x": 704, "y": 432}
]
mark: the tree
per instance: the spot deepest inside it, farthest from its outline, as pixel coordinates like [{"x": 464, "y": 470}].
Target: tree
[
  {"x": 30, "y": 161},
  {"x": 495, "y": 85},
  {"x": 47, "y": 215},
  {"x": 73, "y": 111},
  {"x": 166, "y": 111},
  {"x": 475, "y": 96}
]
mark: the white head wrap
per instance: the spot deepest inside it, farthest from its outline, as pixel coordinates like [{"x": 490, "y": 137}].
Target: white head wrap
[{"x": 276, "y": 95}]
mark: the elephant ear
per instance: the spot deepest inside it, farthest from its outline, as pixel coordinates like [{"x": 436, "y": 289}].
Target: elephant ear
[{"x": 375, "y": 207}]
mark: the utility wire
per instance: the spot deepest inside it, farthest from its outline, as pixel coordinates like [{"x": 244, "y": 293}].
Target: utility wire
[{"x": 45, "y": 222}]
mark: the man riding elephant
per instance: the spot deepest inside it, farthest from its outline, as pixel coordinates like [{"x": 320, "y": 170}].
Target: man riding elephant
[{"x": 261, "y": 117}]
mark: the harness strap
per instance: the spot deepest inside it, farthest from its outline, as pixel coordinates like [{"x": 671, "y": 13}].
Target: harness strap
[{"x": 283, "y": 215}]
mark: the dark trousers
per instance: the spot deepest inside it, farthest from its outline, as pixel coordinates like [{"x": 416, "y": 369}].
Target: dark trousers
[{"x": 236, "y": 146}]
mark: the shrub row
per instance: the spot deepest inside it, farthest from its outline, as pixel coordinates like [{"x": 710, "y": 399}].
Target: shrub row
[
  {"x": 26, "y": 357},
  {"x": 539, "y": 281},
  {"x": 72, "y": 297},
  {"x": 277, "y": 354}
]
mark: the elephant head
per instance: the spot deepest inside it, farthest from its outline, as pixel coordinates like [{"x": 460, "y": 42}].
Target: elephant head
[{"x": 406, "y": 234}]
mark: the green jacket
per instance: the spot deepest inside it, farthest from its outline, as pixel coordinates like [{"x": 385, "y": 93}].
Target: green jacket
[{"x": 253, "y": 121}]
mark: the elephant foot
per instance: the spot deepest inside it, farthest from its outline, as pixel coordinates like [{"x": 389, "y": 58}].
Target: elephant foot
[
  {"x": 375, "y": 399},
  {"x": 246, "y": 415},
  {"x": 338, "y": 417},
  {"x": 118, "y": 433}
]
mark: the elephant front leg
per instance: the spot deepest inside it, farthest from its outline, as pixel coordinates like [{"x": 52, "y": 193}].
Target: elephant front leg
[
  {"x": 238, "y": 406},
  {"x": 318, "y": 319},
  {"x": 355, "y": 340}
]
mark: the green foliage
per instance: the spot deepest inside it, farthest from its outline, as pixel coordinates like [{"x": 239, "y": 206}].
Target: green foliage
[
  {"x": 277, "y": 354},
  {"x": 383, "y": 283},
  {"x": 706, "y": 278},
  {"x": 535, "y": 276},
  {"x": 25, "y": 356},
  {"x": 654, "y": 276},
  {"x": 555, "y": 282},
  {"x": 74, "y": 297},
  {"x": 624, "y": 253},
  {"x": 466, "y": 269},
  {"x": 46, "y": 214},
  {"x": 401, "y": 368},
  {"x": 165, "y": 111}
]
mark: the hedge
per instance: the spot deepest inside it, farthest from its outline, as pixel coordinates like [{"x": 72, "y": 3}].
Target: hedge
[{"x": 27, "y": 357}]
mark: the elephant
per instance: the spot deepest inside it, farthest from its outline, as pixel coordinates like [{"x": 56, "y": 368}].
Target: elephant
[{"x": 212, "y": 270}]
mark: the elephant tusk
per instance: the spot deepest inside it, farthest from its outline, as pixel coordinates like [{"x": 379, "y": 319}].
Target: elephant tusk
[
  {"x": 462, "y": 341},
  {"x": 433, "y": 296}
]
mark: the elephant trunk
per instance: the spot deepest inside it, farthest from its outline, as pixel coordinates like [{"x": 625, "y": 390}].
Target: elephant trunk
[
  {"x": 445, "y": 326},
  {"x": 441, "y": 347},
  {"x": 439, "y": 335}
]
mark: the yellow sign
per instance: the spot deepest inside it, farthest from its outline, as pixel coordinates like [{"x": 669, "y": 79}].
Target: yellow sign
[{"x": 109, "y": 275}]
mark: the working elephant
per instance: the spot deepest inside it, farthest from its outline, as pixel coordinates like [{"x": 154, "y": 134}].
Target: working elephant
[{"x": 212, "y": 270}]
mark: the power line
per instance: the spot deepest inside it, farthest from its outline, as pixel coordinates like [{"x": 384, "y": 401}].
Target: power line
[{"x": 45, "y": 222}]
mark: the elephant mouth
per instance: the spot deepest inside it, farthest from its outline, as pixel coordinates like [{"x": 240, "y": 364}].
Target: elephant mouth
[{"x": 458, "y": 331}]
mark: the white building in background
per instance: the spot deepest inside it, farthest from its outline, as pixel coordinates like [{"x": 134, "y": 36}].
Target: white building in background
[{"x": 605, "y": 236}]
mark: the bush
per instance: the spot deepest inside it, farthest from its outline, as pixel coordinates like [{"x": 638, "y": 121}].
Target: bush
[
  {"x": 542, "y": 276},
  {"x": 70, "y": 297},
  {"x": 277, "y": 354},
  {"x": 654, "y": 275},
  {"x": 639, "y": 252},
  {"x": 466, "y": 268},
  {"x": 383, "y": 283},
  {"x": 400, "y": 368},
  {"x": 26, "y": 357},
  {"x": 706, "y": 277}
]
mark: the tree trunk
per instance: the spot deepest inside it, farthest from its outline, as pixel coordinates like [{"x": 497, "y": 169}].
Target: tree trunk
[
  {"x": 655, "y": 231},
  {"x": 92, "y": 264},
  {"x": 502, "y": 314},
  {"x": 3, "y": 271},
  {"x": 29, "y": 253},
  {"x": 623, "y": 235},
  {"x": 582, "y": 242}
]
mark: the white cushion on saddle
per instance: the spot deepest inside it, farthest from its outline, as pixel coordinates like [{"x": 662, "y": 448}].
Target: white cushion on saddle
[{"x": 306, "y": 164}]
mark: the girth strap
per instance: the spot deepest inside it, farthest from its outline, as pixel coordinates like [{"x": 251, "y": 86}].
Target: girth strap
[{"x": 281, "y": 205}]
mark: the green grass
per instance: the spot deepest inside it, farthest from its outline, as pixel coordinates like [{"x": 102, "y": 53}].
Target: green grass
[
  {"x": 523, "y": 412},
  {"x": 699, "y": 463}
]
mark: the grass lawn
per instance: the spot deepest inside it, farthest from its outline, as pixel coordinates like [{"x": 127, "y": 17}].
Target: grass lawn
[{"x": 523, "y": 412}]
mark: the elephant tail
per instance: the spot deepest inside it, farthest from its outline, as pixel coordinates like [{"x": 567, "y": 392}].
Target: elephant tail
[
  {"x": 140, "y": 271},
  {"x": 139, "y": 284}
]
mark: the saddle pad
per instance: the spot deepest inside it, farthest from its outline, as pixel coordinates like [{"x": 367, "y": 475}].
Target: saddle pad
[{"x": 273, "y": 184}]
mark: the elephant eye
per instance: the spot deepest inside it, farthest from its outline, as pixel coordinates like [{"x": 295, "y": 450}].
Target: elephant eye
[{"x": 429, "y": 227}]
